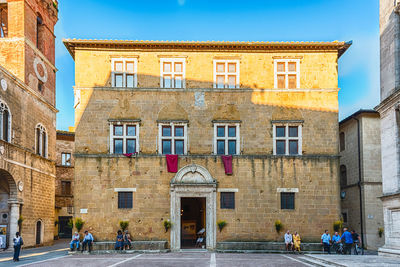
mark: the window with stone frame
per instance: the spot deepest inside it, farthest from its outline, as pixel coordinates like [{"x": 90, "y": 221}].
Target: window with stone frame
[
  {"x": 172, "y": 72},
  {"x": 227, "y": 200},
  {"x": 227, "y": 138},
  {"x": 125, "y": 200},
  {"x": 124, "y": 137},
  {"x": 41, "y": 140},
  {"x": 226, "y": 74},
  {"x": 173, "y": 138},
  {"x": 287, "y": 73},
  {"x": 5, "y": 122},
  {"x": 65, "y": 159},
  {"x": 287, "y": 200},
  {"x": 287, "y": 138},
  {"x": 65, "y": 188},
  {"x": 124, "y": 72}
]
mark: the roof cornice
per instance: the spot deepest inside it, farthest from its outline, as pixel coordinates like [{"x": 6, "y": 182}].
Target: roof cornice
[{"x": 73, "y": 44}]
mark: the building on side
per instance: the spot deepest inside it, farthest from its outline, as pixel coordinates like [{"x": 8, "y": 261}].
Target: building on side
[
  {"x": 27, "y": 119},
  {"x": 389, "y": 110},
  {"x": 64, "y": 182},
  {"x": 272, "y": 105},
  {"x": 361, "y": 175}
]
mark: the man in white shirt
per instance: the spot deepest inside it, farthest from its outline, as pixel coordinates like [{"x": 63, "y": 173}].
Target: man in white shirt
[{"x": 288, "y": 241}]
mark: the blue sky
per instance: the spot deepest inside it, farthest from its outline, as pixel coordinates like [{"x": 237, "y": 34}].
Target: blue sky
[{"x": 229, "y": 20}]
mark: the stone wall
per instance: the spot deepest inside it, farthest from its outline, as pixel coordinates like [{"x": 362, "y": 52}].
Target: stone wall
[{"x": 257, "y": 202}]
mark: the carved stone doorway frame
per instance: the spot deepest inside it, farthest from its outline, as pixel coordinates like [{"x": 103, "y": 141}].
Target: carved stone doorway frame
[{"x": 193, "y": 181}]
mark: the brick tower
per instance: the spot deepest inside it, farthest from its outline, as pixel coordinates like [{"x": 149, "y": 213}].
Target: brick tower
[{"x": 27, "y": 43}]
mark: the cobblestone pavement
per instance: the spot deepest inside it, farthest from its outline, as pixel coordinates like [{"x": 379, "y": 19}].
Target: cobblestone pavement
[
  {"x": 198, "y": 259},
  {"x": 352, "y": 260}
]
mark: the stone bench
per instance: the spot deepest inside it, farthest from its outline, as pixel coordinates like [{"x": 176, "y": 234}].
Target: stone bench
[
  {"x": 135, "y": 245},
  {"x": 263, "y": 246}
]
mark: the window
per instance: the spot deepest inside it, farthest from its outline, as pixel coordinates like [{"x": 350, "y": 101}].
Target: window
[
  {"x": 172, "y": 73},
  {"x": 41, "y": 141},
  {"x": 287, "y": 201},
  {"x": 343, "y": 175},
  {"x": 125, "y": 200},
  {"x": 40, "y": 86},
  {"x": 173, "y": 138},
  {"x": 66, "y": 159},
  {"x": 5, "y": 122},
  {"x": 3, "y": 20},
  {"x": 39, "y": 32},
  {"x": 287, "y": 139},
  {"x": 123, "y": 72},
  {"x": 227, "y": 200},
  {"x": 124, "y": 138},
  {"x": 226, "y": 139},
  {"x": 287, "y": 73},
  {"x": 341, "y": 141},
  {"x": 344, "y": 217},
  {"x": 66, "y": 188},
  {"x": 226, "y": 73}
]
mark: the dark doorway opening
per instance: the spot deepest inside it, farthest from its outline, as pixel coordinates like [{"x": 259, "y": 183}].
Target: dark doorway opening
[
  {"x": 64, "y": 230},
  {"x": 193, "y": 222},
  {"x": 38, "y": 232}
]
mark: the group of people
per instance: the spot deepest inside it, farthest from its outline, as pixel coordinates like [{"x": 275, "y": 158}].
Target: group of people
[
  {"x": 341, "y": 244},
  {"x": 292, "y": 242},
  {"x": 86, "y": 242},
  {"x": 123, "y": 240}
]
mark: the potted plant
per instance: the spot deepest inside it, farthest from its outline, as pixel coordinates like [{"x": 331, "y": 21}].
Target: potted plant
[
  {"x": 380, "y": 231},
  {"x": 221, "y": 224},
  {"x": 278, "y": 226},
  {"x": 167, "y": 225},
  {"x": 79, "y": 224},
  {"x": 337, "y": 225},
  {"x": 123, "y": 225}
]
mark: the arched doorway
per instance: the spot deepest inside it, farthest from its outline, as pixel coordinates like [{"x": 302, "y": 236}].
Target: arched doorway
[
  {"x": 9, "y": 207},
  {"x": 193, "y": 182}
]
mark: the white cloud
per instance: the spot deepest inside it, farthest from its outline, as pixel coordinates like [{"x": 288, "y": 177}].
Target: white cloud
[{"x": 181, "y": 2}]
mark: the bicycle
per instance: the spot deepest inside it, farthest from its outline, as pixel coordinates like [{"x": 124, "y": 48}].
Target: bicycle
[
  {"x": 358, "y": 250},
  {"x": 339, "y": 248}
]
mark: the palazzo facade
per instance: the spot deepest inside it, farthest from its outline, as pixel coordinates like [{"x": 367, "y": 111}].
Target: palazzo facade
[{"x": 273, "y": 106}]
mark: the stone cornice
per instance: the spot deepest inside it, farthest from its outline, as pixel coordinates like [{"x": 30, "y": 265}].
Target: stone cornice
[
  {"x": 246, "y": 156},
  {"x": 26, "y": 88},
  {"x": 388, "y": 102},
  {"x": 219, "y": 90},
  {"x": 129, "y": 45}
]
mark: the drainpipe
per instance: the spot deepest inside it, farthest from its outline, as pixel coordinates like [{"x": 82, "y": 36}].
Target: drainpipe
[{"x": 359, "y": 180}]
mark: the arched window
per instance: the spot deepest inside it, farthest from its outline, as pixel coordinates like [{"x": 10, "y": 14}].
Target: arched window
[
  {"x": 343, "y": 175},
  {"x": 39, "y": 32},
  {"x": 41, "y": 140},
  {"x": 5, "y": 122}
]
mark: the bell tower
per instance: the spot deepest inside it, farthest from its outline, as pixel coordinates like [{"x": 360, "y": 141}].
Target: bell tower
[{"x": 27, "y": 43}]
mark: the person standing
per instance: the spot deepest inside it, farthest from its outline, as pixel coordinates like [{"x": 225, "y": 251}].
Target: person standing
[
  {"x": 87, "y": 241},
  {"x": 296, "y": 241},
  {"x": 127, "y": 240},
  {"x": 326, "y": 241},
  {"x": 288, "y": 241},
  {"x": 18, "y": 242},
  {"x": 75, "y": 240},
  {"x": 348, "y": 241}
]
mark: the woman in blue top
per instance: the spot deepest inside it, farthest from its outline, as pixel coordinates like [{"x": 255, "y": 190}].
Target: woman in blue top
[{"x": 119, "y": 244}]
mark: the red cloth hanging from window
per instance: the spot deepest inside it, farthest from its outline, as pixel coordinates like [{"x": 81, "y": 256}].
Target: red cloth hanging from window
[
  {"x": 172, "y": 163},
  {"x": 227, "y": 160},
  {"x": 128, "y": 155}
]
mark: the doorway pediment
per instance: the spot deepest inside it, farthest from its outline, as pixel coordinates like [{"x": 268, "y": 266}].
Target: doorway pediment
[{"x": 193, "y": 174}]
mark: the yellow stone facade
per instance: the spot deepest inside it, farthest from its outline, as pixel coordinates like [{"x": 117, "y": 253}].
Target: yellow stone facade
[{"x": 258, "y": 176}]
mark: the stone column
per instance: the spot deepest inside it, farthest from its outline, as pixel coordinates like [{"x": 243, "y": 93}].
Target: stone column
[{"x": 14, "y": 216}]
